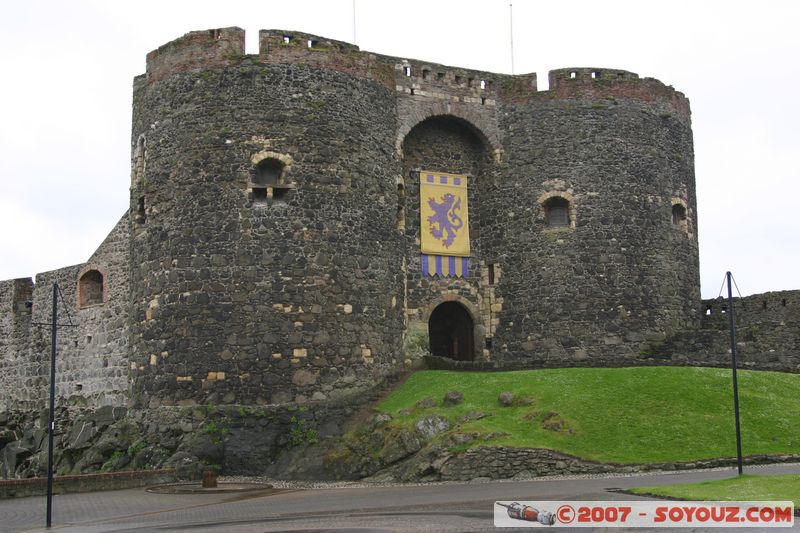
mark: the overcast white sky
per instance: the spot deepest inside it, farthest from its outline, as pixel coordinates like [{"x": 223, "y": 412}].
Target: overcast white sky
[{"x": 67, "y": 68}]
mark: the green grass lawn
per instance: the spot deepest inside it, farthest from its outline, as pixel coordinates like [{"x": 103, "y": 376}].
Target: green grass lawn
[
  {"x": 741, "y": 488},
  {"x": 620, "y": 415}
]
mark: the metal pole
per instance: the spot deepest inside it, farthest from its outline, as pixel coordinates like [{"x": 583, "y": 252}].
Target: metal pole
[
  {"x": 511, "y": 31},
  {"x": 51, "y": 421},
  {"x": 354, "y": 21},
  {"x": 735, "y": 383}
]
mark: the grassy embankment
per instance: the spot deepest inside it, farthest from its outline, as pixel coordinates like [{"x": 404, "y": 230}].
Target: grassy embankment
[
  {"x": 622, "y": 415},
  {"x": 740, "y": 488}
]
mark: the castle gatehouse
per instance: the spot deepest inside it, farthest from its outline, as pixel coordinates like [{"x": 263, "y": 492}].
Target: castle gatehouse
[{"x": 307, "y": 221}]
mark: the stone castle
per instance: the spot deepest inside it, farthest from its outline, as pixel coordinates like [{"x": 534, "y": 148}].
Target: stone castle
[{"x": 271, "y": 253}]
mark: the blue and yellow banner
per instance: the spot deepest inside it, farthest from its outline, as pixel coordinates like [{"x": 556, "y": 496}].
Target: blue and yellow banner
[
  {"x": 444, "y": 266},
  {"x": 444, "y": 229},
  {"x": 444, "y": 213}
]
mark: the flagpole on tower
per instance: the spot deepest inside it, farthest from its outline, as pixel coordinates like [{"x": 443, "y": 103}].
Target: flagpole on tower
[{"x": 511, "y": 31}]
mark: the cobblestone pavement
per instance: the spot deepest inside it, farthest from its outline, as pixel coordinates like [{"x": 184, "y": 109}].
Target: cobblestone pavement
[{"x": 341, "y": 507}]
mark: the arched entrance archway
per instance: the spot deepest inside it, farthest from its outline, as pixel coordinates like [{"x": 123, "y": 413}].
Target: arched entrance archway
[{"x": 451, "y": 332}]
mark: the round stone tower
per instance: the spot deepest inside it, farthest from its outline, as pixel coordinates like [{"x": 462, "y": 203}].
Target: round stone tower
[
  {"x": 593, "y": 220},
  {"x": 264, "y": 258}
]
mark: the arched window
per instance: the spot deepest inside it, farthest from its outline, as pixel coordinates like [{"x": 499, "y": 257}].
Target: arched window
[
  {"x": 679, "y": 216},
  {"x": 91, "y": 289},
  {"x": 556, "y": 212},
  {"x": 269, "y": 172},
  {"x": 269, "y": 181}
]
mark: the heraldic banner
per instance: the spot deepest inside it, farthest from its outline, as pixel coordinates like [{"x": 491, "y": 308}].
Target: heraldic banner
[{"x": 444, "y": 224}]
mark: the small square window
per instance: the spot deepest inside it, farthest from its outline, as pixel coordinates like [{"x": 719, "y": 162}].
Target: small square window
[
  {"x": 91, "y": 287},
  {"x": 280, "y": 194},
  {"x": 141, "y": 213},
  {"x": 679, "y": 220},
  {"x": 557, "y": 212},
  {"x": 557, "y": 216},
  {"x": 260, "y": 194}
]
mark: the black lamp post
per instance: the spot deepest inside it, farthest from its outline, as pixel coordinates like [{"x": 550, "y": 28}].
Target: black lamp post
[
  {"x": 51, "y": 422},
  {"x": 733, "y": 367}
]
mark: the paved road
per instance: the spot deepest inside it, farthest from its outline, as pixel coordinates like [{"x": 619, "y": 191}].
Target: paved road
[{"x": 435, "y": 507}]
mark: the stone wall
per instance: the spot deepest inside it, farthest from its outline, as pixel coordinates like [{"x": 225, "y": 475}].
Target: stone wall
[
  {"x": 26, "y": 361},
  {"x": 22, "y": 488},
  {"x": 235, "y": 439},
  {"x": 100, "y": 367},
  {"x": 767, "y": 334},
  {"x": 502, "y": 462},
  {"x": 20, "y": 373},
  {"x": 91, "y": 349}
]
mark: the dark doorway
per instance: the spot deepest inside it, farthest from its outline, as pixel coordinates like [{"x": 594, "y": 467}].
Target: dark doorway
[{"x": 450, "y": 330}]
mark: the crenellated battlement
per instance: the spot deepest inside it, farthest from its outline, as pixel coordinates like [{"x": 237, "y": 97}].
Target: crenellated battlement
[
  {"x": 415, "y": 78},
  {"x": 411, "y": 77},
  {"x": 22, "y": 296},
  {"x": 196, "y": 50},
  {"x": 276, "y": 40},
  {"x": 587, "y": 76},
  {"x": 281, "y": 47},
  {"x": 425, "y": 79},
  {"x": 777, "y": 308},
  {"x": 611, "y": 83},
  {"x": 767, "y": 327}
]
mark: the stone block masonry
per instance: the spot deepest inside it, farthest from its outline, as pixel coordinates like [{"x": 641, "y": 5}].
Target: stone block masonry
[
  {"x": 767, "y": 334},
  {"x": 270, "y": 257},
  {"x": 92, "y": 354}
]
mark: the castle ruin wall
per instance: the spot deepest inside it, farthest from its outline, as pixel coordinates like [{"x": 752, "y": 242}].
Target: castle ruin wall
[
  {"x": 767, "y": 333},
  {"x": 91, "y": 351},
  {"x": 270, "y": 256}
]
